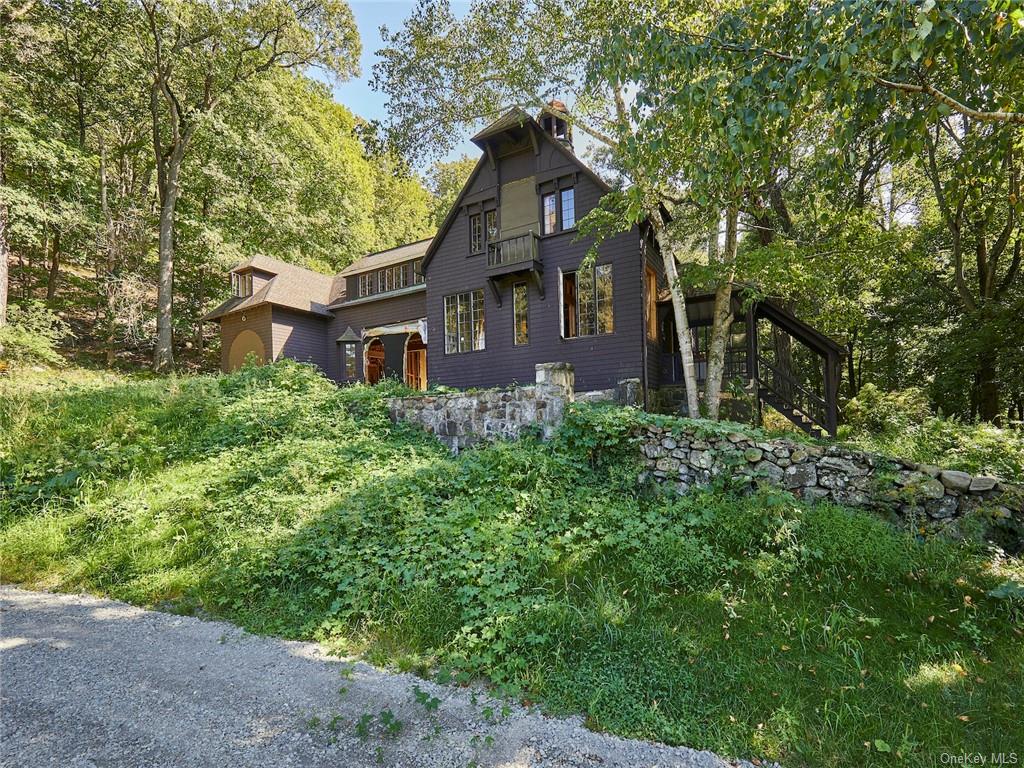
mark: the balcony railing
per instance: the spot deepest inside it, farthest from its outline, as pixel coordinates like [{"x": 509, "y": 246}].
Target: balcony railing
[{"x": 521, "y": 251}]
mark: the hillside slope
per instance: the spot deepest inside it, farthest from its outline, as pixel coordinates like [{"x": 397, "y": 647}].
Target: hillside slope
[{"x": 751, "y": 626}]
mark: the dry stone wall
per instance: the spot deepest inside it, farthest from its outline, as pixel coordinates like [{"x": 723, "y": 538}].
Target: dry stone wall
[
  {"x": 683, "y": 454},
  {"x": 463, "y": 419},
  {"x": 928, "y": 498}
]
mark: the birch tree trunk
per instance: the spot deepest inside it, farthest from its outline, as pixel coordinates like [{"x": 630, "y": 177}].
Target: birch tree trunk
[
  {"x": 679, "y": 313},
  {"x": 721, "y": 319}
]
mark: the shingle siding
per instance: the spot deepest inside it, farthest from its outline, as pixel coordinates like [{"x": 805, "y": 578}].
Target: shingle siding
[{"x": 256, "y": 319}]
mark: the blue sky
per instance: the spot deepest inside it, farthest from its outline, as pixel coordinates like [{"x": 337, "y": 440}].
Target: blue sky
[{"x": 356, "y": 94}]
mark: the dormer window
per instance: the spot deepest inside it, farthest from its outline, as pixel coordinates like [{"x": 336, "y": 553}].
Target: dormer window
[{"x": 241, "y": 284}]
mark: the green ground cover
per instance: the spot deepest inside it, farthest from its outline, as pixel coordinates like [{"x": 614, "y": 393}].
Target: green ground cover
[{"x": 753, "y": 626}]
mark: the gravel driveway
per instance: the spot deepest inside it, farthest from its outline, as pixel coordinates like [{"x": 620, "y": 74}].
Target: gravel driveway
[{"x": 89, "y": 682}]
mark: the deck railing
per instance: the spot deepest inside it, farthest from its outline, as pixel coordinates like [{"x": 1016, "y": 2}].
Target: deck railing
[{"x": 521, "y": 249}]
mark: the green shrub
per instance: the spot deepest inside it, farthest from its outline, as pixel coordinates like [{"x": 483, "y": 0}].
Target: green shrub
[
  {"x": 752, "y": 625},
  {"x": 877, "y": 412},
  {"x": 32, "y": 334}
]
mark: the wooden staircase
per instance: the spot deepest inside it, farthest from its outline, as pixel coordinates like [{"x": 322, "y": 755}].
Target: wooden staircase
[
  {"x": 779, "y": 386},
  {"x": 802, "y": 421}
]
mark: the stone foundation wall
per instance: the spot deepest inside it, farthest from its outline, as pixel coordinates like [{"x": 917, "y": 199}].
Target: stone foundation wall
[
  {"x": 925, "y": 497},
  {"x": 466, "y": 418}
]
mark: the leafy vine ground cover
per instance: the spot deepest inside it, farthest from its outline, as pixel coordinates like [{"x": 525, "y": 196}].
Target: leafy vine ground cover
[{"x": 753, "y": 626}]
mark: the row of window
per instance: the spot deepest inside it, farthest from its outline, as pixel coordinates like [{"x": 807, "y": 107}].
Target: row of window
[
  {"x": 558, "y": 214},
  {"x": 586, "y": 297},
  {"x": 390, "y": 279}
]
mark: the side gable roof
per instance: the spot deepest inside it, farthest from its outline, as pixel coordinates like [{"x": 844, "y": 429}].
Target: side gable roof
[
  {"x": 291, "y": 287},
  {"x": 515, "y": 117}
]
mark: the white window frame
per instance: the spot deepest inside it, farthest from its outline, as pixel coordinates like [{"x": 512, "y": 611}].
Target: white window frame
[{"x": 471, "y": 301}]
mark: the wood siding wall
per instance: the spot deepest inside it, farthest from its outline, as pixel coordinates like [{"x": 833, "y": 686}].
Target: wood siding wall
[
  {"x": 256, "y": 319},
  {"x": 299, "y": 336},
  {"x": 398, "y": 309},
  {"x": 600, "y": 361}
]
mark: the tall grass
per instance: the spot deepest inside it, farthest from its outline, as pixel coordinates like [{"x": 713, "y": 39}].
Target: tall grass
[{"x": 754, "y": 626}]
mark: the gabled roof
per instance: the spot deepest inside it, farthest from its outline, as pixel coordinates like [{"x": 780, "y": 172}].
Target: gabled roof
[
  {"x": 390, "y": 257},
  {"x": 514, "y": 118},
  {"x": 291, "y": 287}
]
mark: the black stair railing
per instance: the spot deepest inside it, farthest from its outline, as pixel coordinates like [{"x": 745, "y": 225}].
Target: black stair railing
[{"x": 780, "y": 389}]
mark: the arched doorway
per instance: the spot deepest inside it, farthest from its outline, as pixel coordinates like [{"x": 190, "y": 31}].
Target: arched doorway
[
  {"x": 374, "y": 361},
  {"x": 415, "y": 362},
  {"x": 246, "y": 343}
]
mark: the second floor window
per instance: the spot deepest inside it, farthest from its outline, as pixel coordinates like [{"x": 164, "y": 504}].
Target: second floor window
[
  {"x": 549, "y": 214},
  {"x": 491, "y": 226},
  {"x": 587, "y": 302},
  {"x": 476, "y": 233},
  {"x": 391, "y": 278},
  {"x": 464, "y": 322},
  {"x": 568, "y": 199},
  {"x": 417, "y": 272},
  {"x": 367, "y": 284},
  {"x": 241, "y": 284}
]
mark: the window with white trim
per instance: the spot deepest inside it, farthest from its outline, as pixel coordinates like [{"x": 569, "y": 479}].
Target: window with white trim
[
  {"x": 587, "y": 302},
  {"x": 549, "y": 213},
  {"x": 367, "y": 284},
  {"x": 476, "y": 233},
  {"x": 391, "y": 278},
  {"x": 241, "y": 284},
  {"x": 348, "y": 360},
  {"x": 464, "y": 322}
]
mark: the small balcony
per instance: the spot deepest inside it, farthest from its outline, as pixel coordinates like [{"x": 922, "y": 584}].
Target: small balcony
[{"x": 514, "y": 254}]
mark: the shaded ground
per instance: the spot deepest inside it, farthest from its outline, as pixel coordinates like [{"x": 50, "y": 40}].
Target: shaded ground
[{"x": 90, "y": 682}]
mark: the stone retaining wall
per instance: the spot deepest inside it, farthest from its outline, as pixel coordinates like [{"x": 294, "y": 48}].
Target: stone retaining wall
[
  {"x": 464, "y": 418},
  {"x": 928, "y": 498}
]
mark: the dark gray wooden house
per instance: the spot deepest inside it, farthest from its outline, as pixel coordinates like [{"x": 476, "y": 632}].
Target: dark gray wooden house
[{"x": 503, "y": 286}]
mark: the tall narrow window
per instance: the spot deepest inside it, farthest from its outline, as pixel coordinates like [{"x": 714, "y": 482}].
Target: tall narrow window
[
  {"x": 651, "y": 302},
  {"x": 242, "y": 283},
  {"x": 568, "y": 208},
  {"x": 549, "y": 220},
  {"x": 367, "y": 284},
  {"x": 520, "y": 313},
  {"x": 348, "y": 359},
  {"x": 476, "y": 234},
  {"x": 464, "y": 322},
  {"x": 587, "y": 302},
  {"x": 417, "y": 272},
  {"x": 605, "y": 316},
  {"x": 491, "y": 226}
]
